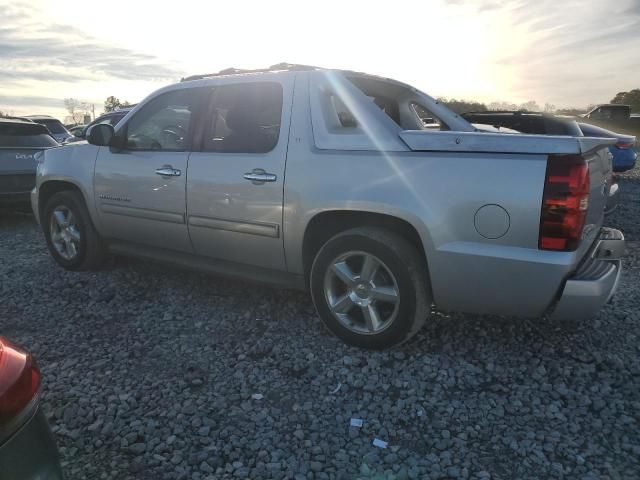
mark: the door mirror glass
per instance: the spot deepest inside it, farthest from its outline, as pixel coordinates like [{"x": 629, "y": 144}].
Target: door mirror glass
[{"x": 100, "y": 134}]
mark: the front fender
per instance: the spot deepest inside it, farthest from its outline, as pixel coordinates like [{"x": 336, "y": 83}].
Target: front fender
[{"x": 73, "y": 164}]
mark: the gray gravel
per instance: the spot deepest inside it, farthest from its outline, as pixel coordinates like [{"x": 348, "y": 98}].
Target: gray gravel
[{"x": 150, "y": 373}]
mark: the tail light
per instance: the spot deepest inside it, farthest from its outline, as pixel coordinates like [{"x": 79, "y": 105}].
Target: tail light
[
  {"x": 624, "y": 145},
  {"x": 564, "y": 203},
  {"x": 19, "y": 381}
]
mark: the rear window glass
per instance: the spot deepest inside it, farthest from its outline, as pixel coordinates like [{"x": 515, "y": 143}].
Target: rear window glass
[
  {"x": 54, "y": 126},
  {"x": 398, "y": 102},
  {"x": 245, "y": 118},
  {"x": 24, "y": 136},
  {"x": 428, "y": 119}
]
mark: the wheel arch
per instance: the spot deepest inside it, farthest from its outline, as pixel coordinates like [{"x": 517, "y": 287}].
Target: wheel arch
[
  {"x": 324, "y": 225},
  {"x": 50, "y": 187}
]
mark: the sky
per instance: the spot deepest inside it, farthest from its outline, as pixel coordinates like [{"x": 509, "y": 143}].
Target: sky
[{"x": 569, "y": 53}]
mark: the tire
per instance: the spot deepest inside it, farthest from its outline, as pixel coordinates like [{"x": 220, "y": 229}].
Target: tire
[
  {"x": 90, "y": 251},
  {"x": 340, "y": 280}
]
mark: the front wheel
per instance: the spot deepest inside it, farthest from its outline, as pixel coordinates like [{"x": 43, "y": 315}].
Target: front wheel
[
  {"x": 71, "y": 237},
  {"x": 370, "y": 287}
]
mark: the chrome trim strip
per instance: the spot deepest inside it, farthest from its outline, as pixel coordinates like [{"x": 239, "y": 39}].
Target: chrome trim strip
[
  {"x": 142, "y": 213},
  {"x": 238, "y": 226}
]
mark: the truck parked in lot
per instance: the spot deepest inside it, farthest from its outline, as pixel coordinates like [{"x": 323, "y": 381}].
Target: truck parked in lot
[
  {"x": 612, "y": 116},
  {"x": 332, "y": 181}
]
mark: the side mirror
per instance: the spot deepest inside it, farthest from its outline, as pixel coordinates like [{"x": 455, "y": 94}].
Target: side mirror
[{"x": 100, "y": 134}]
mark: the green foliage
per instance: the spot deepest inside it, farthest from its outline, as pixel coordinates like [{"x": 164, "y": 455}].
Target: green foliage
[
  {"x": 462, "y": 106},
  {"x": 113, "y": 103},
  {"x": 631, "y": 98}
]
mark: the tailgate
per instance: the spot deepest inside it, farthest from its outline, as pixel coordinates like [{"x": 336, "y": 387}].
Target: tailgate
[
  {"x": 596, "y": 152},
  {"x": 17, "y": 169}
]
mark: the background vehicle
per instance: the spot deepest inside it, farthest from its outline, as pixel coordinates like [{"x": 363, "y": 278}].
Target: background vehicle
[
  {"x": 76, "y": 130},
  {"x": 380, "y": 216},
  {"x": 112, "y": 118},
  {"x": 624, "y": 154},
  {"x": 545, "y": 124},
  {"x": 27, "y": 447},
  {"x": 55, "y": 126},
  {"x": 613, "y": 117},
  {"x": 525, "y": 122},
  {"x": 20, "y": 141}
]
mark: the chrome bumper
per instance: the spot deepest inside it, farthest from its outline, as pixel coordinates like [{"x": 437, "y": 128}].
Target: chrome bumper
[{"x": 595, "y": 281}]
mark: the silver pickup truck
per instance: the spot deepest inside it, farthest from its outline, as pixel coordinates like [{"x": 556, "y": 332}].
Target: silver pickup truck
[{"x": 332, "y": 181}]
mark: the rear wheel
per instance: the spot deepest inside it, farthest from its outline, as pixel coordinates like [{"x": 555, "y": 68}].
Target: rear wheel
[
  {"x": 370, "y": 287},
  {"x": 71, "y": 237}
]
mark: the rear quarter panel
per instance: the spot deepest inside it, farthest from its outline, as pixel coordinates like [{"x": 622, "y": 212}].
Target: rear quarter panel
[{"x": 439, "y": 194}]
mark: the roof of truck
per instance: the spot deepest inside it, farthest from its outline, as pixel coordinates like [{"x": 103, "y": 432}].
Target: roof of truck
[
  {"x": 278, "y": 67},
  {"x": 611, "y": 105}
]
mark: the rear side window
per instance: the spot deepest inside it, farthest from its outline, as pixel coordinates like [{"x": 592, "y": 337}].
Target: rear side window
[
  {"x": 429, "y": 120},
  {"x": 244, "y": 118},
  {"x": 24, "y": 136},
  {"x": 164, "y": 122},
  {"x": 399, "y": 103}
]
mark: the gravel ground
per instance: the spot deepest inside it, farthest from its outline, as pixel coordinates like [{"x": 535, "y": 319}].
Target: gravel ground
[{"x": 152, "y": 373}]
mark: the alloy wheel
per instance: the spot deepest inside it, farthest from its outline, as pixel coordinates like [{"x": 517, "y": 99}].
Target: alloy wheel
[
  {"x": 64, "y": 231},
  {"x": 361, "y": 292}
]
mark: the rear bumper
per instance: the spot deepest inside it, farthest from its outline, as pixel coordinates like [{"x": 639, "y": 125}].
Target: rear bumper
[
  {"x": 34, "y": 204},
  {"x": 31, "y": 453},
  {"x": 595, "y": 281},
  {"x": 15, "y": 187},
  {"x": 13, "y": 198}
]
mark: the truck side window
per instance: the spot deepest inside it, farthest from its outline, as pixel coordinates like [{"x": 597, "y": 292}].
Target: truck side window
[
  {"x": 428, "y": 119},
  {"x": 244, "y": 118},
  {"x": 163, "y": 123},
  {"x": 601, "y": 114}
]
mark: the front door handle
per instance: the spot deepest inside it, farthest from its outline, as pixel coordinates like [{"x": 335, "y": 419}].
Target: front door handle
[
  {"x": 168, "y": 171},
  {"x": 259, "y": 176}
]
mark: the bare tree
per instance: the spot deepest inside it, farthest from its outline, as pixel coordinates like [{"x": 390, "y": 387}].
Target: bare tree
[{"x": 77, "y": 109}]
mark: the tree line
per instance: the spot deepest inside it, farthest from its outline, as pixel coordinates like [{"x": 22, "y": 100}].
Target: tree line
[
  {"x": 631, "y": 98},
  {"x": 78, "y": 109}
]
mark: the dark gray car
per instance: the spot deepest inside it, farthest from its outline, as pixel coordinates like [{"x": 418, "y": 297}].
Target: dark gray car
[
  {"x": 27, "y": 448},
  {"x": 20, "y": 142}
]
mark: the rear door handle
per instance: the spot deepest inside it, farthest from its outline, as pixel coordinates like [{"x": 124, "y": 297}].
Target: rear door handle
[
  {"x": 259, "y": 176},
  {"x": 168, "y": 171}
]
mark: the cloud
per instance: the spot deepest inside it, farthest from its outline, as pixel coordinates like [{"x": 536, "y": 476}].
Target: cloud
[
  {"x": 574, "y": 58},
  {"x": 20, "y": 101},
  {"x": 31, "y": 50}
]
